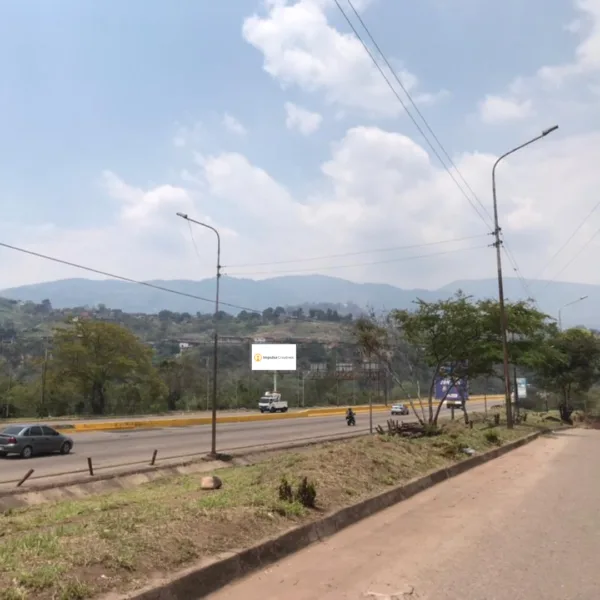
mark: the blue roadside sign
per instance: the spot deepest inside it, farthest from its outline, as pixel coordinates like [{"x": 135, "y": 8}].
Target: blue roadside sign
[{"x": 445, "y": 388}]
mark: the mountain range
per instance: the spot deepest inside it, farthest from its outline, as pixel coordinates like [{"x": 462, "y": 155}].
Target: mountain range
[{"x": 302, "y": 290}]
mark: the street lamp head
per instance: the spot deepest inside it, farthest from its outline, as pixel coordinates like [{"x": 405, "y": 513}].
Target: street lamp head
[
  {"x": 182, "y": 215},
  {"x": 583, "y": 297},
  {"x": 549, "y": 130}
]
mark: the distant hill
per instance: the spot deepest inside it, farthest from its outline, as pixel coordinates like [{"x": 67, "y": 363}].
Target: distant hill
[{"x": 302, "y": 290}]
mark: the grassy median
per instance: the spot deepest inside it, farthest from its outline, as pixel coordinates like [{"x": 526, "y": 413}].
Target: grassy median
[{"x": 72, "y": 550}]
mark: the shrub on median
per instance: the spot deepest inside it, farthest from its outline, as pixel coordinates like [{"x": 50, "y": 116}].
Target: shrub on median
[{"x": 305, "y": 494}]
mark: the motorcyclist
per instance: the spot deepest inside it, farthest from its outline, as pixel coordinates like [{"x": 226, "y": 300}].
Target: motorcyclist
[{"x": 349, "y": 414}]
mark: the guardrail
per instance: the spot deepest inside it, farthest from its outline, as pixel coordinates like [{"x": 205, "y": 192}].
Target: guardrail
[{"x": 245, "y": 418}]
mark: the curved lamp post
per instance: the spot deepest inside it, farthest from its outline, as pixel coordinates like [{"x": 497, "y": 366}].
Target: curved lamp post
[
  {"x": 565, "y": 306},
  {"x": 497, "y": 244},
  {"x": 213, "y": 446}
]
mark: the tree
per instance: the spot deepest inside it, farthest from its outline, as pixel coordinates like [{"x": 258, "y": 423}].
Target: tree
[
  {"x": 453, "y": 338},
  {"x": 171, "y": 372},
  {"x": 380, "y": 339},
  {"x": 568, "y": 361},
  {"x": 94, "y": 354},
  {"x": 527, "y": 329}
]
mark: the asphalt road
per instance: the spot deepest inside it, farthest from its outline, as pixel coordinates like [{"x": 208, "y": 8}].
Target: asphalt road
[
  {"x": 111, "y": 449},
  {"x": 522, "y": 527}
]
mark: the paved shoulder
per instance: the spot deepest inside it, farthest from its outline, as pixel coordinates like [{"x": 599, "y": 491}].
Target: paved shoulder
[{"x": 523, "y": 527}]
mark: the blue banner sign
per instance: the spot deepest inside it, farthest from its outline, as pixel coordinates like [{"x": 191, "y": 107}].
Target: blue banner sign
[{"x": 445, "y": 389}]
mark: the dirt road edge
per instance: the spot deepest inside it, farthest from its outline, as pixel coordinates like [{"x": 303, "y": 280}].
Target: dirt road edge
[{"x": 210, "y": 575}]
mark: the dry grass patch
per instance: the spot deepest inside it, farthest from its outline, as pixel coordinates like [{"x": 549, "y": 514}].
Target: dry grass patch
[{"x": 73, "y": 550}]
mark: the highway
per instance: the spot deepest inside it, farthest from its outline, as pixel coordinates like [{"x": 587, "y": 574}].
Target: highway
[{"x": 109, "y": 449}]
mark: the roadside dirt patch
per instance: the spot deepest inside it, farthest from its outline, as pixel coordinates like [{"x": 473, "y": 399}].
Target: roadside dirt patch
[{"x": 76, "y": 549}]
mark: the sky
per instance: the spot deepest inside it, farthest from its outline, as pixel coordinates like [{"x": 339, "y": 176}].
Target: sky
[{"x": 269, "y": 121}]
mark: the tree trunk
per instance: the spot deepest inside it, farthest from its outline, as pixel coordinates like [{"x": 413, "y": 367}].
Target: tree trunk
[
  {"x": 98, "y": 399},
  {"x": 172, "y": 400},
  {"x": 466, "y": 414},
  {"x": 437, "y": 412},
  {"x": 430, "y": 401}
]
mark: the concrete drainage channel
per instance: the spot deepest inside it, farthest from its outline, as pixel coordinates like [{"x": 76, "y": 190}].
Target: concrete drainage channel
[{"x": 76, "y": 485}]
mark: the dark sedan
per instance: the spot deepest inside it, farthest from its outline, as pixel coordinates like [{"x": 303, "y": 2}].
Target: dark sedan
[{"x": 27, "y": 440}]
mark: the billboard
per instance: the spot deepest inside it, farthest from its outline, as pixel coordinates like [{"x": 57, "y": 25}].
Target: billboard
[
  {"x": 445, "y": 389},
  {"x": 522, "y": 387},
  {"x": 273, "y": 357}
]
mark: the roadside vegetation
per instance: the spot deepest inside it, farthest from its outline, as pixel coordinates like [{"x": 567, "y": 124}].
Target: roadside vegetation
[
  {"x": 104, "y": 362},
  {"x": 73, "y": 550},
  {"x": 459, "y": 340}
]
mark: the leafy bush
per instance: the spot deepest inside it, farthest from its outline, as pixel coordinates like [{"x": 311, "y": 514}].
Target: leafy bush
[
  {"x": 306, "y": 493},
  {"x": 491, "y": 436},
  {"x": 286, "y": 493}
]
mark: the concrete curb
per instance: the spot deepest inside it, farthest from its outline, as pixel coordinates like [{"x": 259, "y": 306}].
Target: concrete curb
[{"x": 211, "y": 575}]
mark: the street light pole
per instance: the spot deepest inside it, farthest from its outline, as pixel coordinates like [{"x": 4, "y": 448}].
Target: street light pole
[
  {"x": 565, "y": 306},
  {"x": 497, "y": 244},
  {"x": 213, "y": 446}
]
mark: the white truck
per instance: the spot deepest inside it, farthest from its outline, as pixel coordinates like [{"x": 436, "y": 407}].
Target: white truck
[
  {"x": 271, "y": 402},
  {"x": 454, "y": 403}
]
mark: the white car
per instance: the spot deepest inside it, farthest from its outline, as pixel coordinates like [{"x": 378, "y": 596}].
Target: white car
[{"x": 399, "y": 409}]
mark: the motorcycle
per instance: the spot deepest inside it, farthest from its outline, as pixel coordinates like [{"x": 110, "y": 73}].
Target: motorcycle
[{"x": 351, "y": 420}]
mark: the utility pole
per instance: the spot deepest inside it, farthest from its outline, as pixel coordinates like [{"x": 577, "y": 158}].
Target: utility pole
[
  {"x": 213, "y": 445},
  {"x": 207, "y": 383},
  {"x": 498, "y": 245},
  {"x": 44, "y": 370}
]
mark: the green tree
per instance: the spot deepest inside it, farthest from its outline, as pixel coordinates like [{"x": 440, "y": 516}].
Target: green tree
[
  {"x": 528, "y": 328},
  {"x": 568, "y": 362},
  {"x": 453, "y": 339},
  {"x": 94, "y": 354},
  {"x": 171, "y": 372}
]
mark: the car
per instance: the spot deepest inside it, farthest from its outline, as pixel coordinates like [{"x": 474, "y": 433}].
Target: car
[
  {"x": 27, "y": 440},
  {"x": 399, "y": 409}
]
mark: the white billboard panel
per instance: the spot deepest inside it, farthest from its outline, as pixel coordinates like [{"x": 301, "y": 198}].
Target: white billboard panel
[{"x": 273, "y": 357}]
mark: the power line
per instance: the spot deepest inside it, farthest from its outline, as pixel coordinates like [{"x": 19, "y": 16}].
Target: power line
[
  {"x": 568, "y": 240},
  {"x": 364, "y": 264},
  {"x": 412, "y": 118},
  {"x": 343, "y": 255},
  {"x": 193, "y": 240},
  {"x": 523, "y": 281},
  {"x": 577, "y": 254},
  {"x": 413, "y": 103},
  {"x": 122, "y": 278}
]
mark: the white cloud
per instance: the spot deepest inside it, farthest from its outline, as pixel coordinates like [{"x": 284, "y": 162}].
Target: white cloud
[
  {"x": 559, "y": 92},
  {"x": 305, "y": 121},
  {"x": 495, "y": 109},
  {"x": 378, "y": 189},
  {"x": 301, "y": 49},
  {"x": 233, "y": 125},
  {"x": 375, "y": 189}
]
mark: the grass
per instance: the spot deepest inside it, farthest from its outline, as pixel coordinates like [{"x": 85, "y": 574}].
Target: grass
[{"x": 73, "y": 550}]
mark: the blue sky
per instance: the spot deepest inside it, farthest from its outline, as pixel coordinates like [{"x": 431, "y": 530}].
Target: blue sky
[{"x": 95, "y": 87}]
